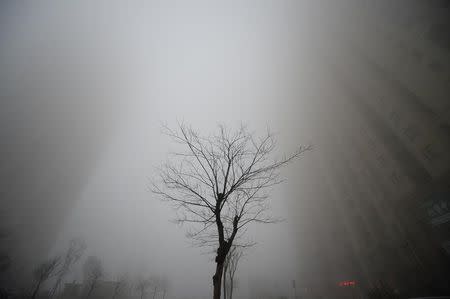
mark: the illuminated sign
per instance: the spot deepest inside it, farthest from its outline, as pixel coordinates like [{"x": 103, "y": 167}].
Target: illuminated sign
[{"x": 347, "y": 283}]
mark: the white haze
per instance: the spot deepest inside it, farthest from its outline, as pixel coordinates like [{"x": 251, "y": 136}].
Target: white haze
[{"x": 148, "y": 63}]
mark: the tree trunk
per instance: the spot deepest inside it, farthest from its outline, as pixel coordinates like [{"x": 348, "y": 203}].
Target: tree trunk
[
  {"x": 231, "y": 288},
  {"x": 225, "y": 282},
  {"x": 116, "y": 289},
  {"x": 36, "y": 290},
  {"x": 55, "y": 287},
  {"x": 91, "y": 288},
  {"x": 217, "y": 280}
]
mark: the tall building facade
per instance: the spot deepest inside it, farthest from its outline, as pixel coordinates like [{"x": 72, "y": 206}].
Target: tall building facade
[{"x": 381, "y": 212}]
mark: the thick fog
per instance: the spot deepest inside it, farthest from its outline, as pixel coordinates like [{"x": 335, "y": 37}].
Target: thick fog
[
  {"x": 87, "y": 86},
  {"x": 133, "y": 67}
]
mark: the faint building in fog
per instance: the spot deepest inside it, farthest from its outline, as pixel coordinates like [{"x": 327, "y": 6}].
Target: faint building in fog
[{"x": 56, "y": 117}]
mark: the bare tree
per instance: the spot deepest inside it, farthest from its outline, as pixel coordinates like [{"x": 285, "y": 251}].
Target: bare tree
[
  {"x": 165, "y": 285},
  {"x": 219, "y": 183},
  {"x": 155, "y": 282},
  {"x": 74, "y": 253},
  {"x": 120, "y": 285},
  {"x": 43, "y": 272},
  {"x": 142, "y": 285},
  {"x": 93, "y": 271},
  {"x": 230, "y": 267}
]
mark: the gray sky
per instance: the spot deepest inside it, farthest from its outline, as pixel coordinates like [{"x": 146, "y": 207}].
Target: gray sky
[
  {"x": 201, "y": 63},
  {"x": 129, "y": 68}
]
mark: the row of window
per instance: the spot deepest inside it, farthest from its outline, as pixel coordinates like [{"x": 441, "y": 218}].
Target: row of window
[
  {"x": 380, "y": 158},
  {"x": 412, "y": 133},
  {"x": 418, "y": 56},
  {"x": 431, "y": 152},
  {"x": 413, "y": 54}
]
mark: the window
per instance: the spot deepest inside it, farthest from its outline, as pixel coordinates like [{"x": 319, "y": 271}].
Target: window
[
  {"x": 381, "y": 159},
  {"x": 437, "y": 208},
  {"x": 418, "y": 55},
  {"x": 395, "y": 178},
  {"x": 411, "y": 132},
  {"x": 350, "y": 204},
  {"x": 371, "y": 143},
  {"x": 440, "y": 35},
  {"x": 430, "y": 153},
  {"x": 444, "y": 205},
  {"x": 436, "y": 67},
  {"x": 368, "y": 236},
  {"x": 395, "y": 118}
]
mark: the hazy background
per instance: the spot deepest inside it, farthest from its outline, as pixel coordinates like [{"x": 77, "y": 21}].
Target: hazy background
[
  {"x": 85, "y": 87},
  {"x": 100, "y": 78}
]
